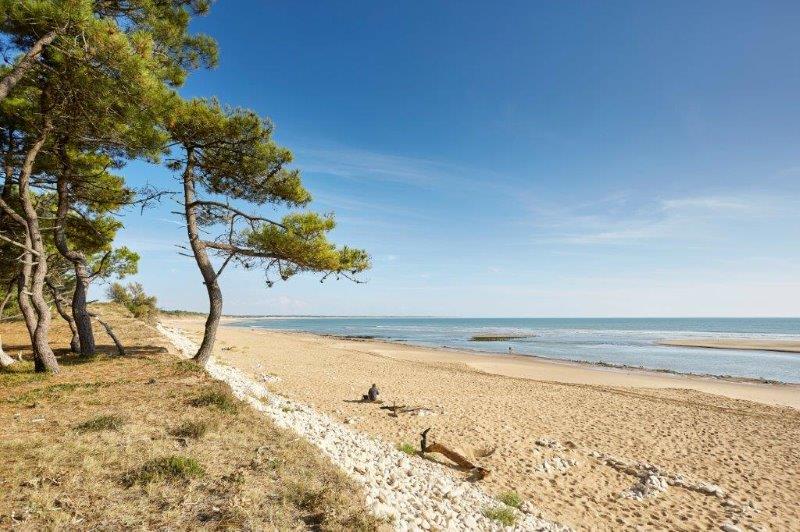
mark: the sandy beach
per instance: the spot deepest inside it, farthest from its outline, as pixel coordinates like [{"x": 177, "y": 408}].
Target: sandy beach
[
  {"x": 783, "y": 346},
  {"x": 579, "y": 442}
]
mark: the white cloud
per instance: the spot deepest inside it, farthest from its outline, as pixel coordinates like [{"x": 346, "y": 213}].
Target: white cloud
[{"x": 619, "y": 220}]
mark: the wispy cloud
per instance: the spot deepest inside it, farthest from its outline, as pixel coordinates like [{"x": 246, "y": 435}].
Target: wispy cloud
[
  {"x": 620, "y": 220},
  {"x": 360, "y": 164}
]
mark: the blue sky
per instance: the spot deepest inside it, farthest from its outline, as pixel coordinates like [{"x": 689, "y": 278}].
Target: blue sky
[{"x": 518, "y": 158}]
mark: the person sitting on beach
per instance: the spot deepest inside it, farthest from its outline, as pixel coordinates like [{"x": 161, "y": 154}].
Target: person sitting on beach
[{"x": 372, "y": 394}]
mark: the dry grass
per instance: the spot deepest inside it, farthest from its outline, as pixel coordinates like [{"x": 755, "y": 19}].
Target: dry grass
[{"x": 117, "y": 443}]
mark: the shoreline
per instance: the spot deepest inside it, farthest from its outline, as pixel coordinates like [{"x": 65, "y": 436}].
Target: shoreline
[{"x": 597, "y": 366}]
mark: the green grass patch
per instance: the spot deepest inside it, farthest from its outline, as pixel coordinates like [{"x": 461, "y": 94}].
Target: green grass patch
[
  {"x": 173, "y": 467},
  {"x": 188, "y": 367},
  {"x": 510, "y": 498},
  {"x": 502, "y": 514},
  {"x": 220, "y": 399},
  {"x": 101, "y": 423},
  {"x": 190, "y": 429},
  {"x": 20, "y": 373},
  {"x": 407, "y": 448},
  {"x": 54, "y": 391}
]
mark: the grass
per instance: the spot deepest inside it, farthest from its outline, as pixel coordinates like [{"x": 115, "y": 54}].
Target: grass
[
  {"x": 510, "y": 498},
  {"x": 245, "y": 474},
  {"x": 173, "y": 467},
  {"x": 101, "y": 423},
  {"x": 407, "y": 448},
  {"x": 187, "y": 366},
  {"x": 218, "y": 397},
  {"x": 190, "y": 429},
  {"x": 502, "y": 514}
]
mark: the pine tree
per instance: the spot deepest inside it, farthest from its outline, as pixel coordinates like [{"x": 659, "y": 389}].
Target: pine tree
[{"x": 228, "y": 155}]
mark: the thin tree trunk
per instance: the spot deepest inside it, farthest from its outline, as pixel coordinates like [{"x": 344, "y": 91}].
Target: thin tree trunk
[
  {"x": 23, "y": 292},
  {"x": 204, "y": 264},
  {"x": 7, "y": 298},
  {"x": 80, "y": 314},
  {"x": 58, "y": 299},
  {"x": 44, "y": 358},
  {"x": 25, "y": 64},
  {"x": 110, "y": 331}
]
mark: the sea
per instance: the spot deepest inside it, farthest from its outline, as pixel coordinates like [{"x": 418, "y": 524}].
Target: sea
[{"x": 615, "y": 341}]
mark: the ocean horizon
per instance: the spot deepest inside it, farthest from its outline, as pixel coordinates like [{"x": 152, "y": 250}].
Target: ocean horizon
[{"x": 631, "y": 342}]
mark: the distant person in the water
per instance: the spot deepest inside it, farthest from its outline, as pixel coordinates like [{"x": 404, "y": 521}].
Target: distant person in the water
[
  {"x": 372, "y": 394},
  {"x": 509, "y": 350}
]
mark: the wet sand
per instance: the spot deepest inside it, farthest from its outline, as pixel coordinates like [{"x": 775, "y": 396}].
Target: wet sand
[
  {"x": 784, "y": 346},
  {"x": 712, "y": 432}
]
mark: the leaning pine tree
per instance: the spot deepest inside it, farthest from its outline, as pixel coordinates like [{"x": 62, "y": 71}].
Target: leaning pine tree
[{"x": 228, "y": 154}]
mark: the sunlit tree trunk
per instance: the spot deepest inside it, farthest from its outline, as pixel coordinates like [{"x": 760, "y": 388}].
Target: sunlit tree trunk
[
  {"x": 44, "y": 358},
  {"x": 80, "y": 314},
  {"x": 58, "y": 299},
  {"x": 204, "y": 264}
]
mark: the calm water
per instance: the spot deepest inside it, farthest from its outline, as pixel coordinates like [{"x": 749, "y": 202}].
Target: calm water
[{"x": 631, "y": 341}]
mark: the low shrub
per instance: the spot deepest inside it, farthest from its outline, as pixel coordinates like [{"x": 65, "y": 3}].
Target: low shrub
[
  {"x": 502, "y": 514},
  {"x": 101, "y": 423},
  {"x": 173, "y": 467}
]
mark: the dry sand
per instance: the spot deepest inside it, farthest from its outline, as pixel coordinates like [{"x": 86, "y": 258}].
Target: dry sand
[
  {"x": 785, "y": 346},
  {"x": 696, "y": 427}
]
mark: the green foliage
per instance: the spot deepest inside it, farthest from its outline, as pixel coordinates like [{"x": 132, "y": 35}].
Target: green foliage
[
  {"x": 134, "y": 298},
  {"x": 101, "y": 423},
  {"x": 175, "y": 467},
  {"x": 230, "y": 153},
  {"x": 299, "y": 243},
  {"x": 188, "y": 367},
  {"x": 217, "y": 398},
  {"x": 502, "y": 514},
  {"x": 510, "y": 498},
  {"x": 407, "y": 448},
  {"x": 235, "y": 154}
]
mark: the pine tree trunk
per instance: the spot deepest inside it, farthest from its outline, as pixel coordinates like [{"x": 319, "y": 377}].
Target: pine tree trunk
[
  {"x": 58, "y": 299},
  {"x": 80, "y": 314},
  {"x": 83, "y": 320},
  {"x": 44, "y": 358},
  {"x": 25, "y": 64},
  {"x": 205, "y": 266},
  {"x": 23, "y": 291}
]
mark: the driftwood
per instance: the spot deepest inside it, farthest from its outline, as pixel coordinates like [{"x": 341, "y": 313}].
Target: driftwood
[
  {"x": 478, "y": 472},
  {"x": 396, "y": 410},
  {"x": 110, "y": 331}
]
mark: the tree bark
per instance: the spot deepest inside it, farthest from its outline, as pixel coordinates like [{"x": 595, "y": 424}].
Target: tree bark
[
  {"x": 110, "y": 332},
  {"x": 23, "y": 292},
  {"x": 25, "y": 64},
  {"x": 44, "y": 358},
  {"x": 80, "y": 314},
  {"x": 203, "y": 263},
  {"x": 74, "y": 343}
]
